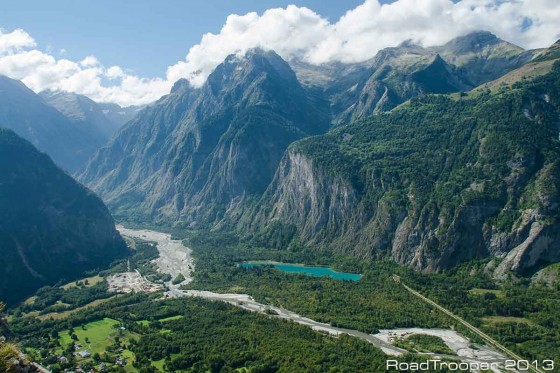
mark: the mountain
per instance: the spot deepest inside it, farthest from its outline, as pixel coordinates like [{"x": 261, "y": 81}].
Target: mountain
[
  {"x": 81, "y": 111},
  {"x": 430, "y": 181},
  {"x": 397, "y": 74},
  {"x": 482, "y": 57},
  {"x": 119, "y": 115},
  {"x": 51, "y": 227},
  {"x": 26, "y": 113},
  {"x": 440, "y": 180},
  {"x": 198, "y": 153}
]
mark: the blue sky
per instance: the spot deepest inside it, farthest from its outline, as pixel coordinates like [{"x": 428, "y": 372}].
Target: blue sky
[
  {"x": 125, "y": 33},
  {"x": 133, "y": 51}
]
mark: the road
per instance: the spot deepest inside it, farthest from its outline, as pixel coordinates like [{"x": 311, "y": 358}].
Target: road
[{"x": 471, "y": 327}]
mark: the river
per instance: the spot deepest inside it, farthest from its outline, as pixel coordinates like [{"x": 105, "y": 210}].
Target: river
[{"x": 176, "y": 258}]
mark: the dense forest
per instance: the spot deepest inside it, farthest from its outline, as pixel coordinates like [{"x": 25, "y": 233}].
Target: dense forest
[
  {"x": 522, "y": 315},
  {"x": 438, "y": 181},
  {"x": 195, "y": 335}
]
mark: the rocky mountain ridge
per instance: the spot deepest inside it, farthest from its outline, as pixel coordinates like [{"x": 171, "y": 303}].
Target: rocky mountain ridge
[
  {"x": 395, "y": 184},
  {"x": 197, "y": 152}
]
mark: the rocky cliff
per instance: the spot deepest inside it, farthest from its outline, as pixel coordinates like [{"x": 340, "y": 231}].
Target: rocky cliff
[
  {"x": 198, "y": 153},
  {"x": 438, "y": 181}
]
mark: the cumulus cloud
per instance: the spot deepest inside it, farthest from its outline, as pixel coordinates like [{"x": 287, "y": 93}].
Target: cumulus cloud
[
  {"x": 19, "y": 59},
  {"x": 301, "y": 33},
  {"x": 293, "y": 32},
  {"x": 14, "y": 41}
]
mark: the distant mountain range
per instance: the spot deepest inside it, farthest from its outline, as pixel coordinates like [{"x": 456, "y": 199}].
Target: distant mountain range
[
  {"x": 51, "y": 227},
  {"x": 397, "y": 74},
  {"x": 67, "y": 126}
]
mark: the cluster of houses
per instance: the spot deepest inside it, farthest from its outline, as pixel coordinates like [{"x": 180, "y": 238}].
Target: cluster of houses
[{"x": 119, "y": 360}]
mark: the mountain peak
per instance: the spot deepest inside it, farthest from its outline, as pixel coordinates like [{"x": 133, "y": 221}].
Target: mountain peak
[
  {"x": 261, "y": 58},
  {"x": 15, "y": 89},
  {"x": 254, "y": 64},
  {"x": 180, "y": 85},
  {"x": 476, "y": 42}
]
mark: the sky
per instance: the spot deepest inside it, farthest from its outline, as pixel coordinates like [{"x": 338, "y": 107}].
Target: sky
[{"x": 132, "y": 52}]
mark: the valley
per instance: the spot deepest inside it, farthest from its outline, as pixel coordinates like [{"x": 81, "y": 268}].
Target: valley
[
  {"x": 246, "y": 302},
  {"x": 385, "y": 339},
  {"x": 286, "y": 208}
]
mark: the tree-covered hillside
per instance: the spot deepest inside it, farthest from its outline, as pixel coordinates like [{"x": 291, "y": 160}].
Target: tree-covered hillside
[
  {"x": 440, "y": 180},
  {"x": 51, "y": 227}
]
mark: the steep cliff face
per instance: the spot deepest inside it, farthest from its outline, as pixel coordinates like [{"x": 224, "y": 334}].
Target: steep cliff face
[
  {"x": 439, "y": 181},
  {"x": 50, "y": 226},
  {"x": 198, "y": 153}
]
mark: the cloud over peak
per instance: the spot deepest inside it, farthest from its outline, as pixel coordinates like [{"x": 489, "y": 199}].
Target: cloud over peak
[{"x": 293, "y": 32}]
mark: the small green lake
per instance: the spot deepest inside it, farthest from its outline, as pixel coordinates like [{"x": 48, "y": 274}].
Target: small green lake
[{"x": 310, "y": 271}]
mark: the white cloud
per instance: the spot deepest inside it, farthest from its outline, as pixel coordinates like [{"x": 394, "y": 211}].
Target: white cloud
[
  {"x": 14, "y": 41},
  {"x": 40, "y": 70},
  {"x": 291, "y": 32},
  {"x": 89, "y": 61},
  {"x": 363, "y": 31}
]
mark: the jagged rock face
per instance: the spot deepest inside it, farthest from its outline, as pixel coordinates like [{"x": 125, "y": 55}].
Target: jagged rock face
[
  {"x": 27, "y": 114},
  {"x": 198, "y": 153},
  {"x": 437, "y": 182},
  {"x": 51, "y": 227}
]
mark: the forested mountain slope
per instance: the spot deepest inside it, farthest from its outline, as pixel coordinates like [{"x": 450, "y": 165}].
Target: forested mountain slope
[
  {"x": 51, "y": 227},
  {"x": 440, "y": 180}
]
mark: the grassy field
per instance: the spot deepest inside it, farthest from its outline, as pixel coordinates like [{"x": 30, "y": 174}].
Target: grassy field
[
  {"x": 504, "y": 319},
  {"x": 147, "y": 322},
  {"x": 100, "y": 334},
  {"x": 158, "y": 364},
  {"x": 177, "y": 317}
]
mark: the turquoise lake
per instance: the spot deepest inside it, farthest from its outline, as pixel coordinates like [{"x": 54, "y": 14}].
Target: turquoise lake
[{"x": 310, "y": 271}]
